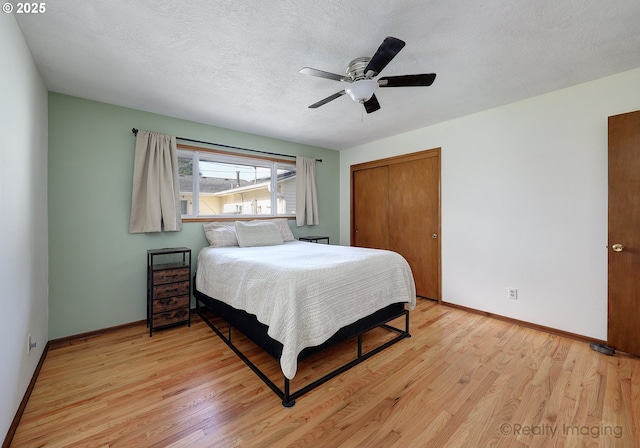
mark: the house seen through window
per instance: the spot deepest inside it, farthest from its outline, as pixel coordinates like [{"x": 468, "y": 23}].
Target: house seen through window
[{"x": 224, "y": 185}]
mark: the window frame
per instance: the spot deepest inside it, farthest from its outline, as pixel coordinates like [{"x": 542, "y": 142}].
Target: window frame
[{"x": 199, "y": 154}]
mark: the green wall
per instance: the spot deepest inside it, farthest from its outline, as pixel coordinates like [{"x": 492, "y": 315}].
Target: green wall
[{"x": 97, "y": 269}]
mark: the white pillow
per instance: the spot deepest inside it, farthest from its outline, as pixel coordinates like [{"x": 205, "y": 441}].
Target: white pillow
[
  {"x": 220, "y": 234},
  {"x": 258, "y": 233},
  {"x": 283, "y": 226}
]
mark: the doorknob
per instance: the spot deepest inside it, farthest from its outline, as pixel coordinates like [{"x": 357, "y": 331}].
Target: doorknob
[
  {"x": 617, "y": 247},
  {"x": 434, "y": 236}
]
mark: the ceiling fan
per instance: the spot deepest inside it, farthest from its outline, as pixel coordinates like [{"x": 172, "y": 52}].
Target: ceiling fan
[{"x": 360, "y": 74}]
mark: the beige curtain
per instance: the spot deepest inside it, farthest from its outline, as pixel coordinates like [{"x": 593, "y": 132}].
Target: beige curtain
[
  {"x": 306, "y": 196},
  {"x": 155, "y": 199}
]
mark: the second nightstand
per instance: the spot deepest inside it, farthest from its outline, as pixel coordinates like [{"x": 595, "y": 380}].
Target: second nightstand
[{"x": 314, "y": 238}]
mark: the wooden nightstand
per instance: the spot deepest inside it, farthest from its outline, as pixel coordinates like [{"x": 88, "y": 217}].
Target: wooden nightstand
[
  {"x": 314, "y": 239},
  {"x": 168, "y": 287}
]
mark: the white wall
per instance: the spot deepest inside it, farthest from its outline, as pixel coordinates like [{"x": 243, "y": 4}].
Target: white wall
[
  {"x": 524, "y": 203},
  {"x": 23, "y": 218}
]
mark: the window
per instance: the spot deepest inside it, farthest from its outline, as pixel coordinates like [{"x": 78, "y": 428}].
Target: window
[{"x": 231, "y": 185}]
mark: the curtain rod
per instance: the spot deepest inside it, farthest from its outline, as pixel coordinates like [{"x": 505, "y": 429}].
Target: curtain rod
[{"x": 135, "y": 132}]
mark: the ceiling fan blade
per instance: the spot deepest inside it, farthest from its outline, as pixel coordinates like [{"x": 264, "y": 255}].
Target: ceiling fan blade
[
  {"x": 386, "y": 52},
  {"x": 321, "y": 74},
  {"x": 372, "y": 105},
  {"x": 425, "y": 79},
  {"x": 327, "y": 99}
]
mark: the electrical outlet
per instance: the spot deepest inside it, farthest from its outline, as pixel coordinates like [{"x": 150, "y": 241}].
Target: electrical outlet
[
  {"x": 30, "y": 345},
  {"x": 513, "y": 293}
]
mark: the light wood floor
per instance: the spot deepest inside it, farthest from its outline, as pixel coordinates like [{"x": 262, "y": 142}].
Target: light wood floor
[{"x": 462, "y": 380}]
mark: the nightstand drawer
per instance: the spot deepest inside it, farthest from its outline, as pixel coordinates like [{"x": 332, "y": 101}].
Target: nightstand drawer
[
  {"x": 171, "y": 275},
  {"x": 170, "y": 289},
  {"x": 170, "y": 303},
  {"x": 170, "y": 317}
]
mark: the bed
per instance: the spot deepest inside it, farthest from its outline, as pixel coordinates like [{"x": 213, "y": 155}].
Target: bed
[{"x": 296, "y": 298}]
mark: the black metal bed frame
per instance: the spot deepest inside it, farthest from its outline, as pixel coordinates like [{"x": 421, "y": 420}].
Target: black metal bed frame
[{"x": 285, "y": 394}]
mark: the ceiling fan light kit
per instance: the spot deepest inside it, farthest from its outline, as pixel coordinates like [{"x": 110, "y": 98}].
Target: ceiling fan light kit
[
  {"x": 362, "y": 90},
  {"x": 362, "y": 70}
]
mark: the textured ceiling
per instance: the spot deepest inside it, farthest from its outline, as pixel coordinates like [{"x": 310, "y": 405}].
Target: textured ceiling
[{"x": 235, "y": 63}]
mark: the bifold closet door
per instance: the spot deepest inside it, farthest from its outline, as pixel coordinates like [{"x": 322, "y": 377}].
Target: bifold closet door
[
  {"x": 370, "y": 208},
  {"x": 414, "y": 224},
  {"x": 395, "y": 205}
]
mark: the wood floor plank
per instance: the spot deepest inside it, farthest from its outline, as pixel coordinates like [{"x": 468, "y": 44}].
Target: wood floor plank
[{"x": 461, "y": 380}]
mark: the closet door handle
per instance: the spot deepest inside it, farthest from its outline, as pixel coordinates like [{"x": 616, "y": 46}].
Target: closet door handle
[{"x": 434, "y": 236}]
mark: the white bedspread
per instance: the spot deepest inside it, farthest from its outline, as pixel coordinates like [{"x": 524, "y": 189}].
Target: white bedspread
[{"x": 304, "y": 292}]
